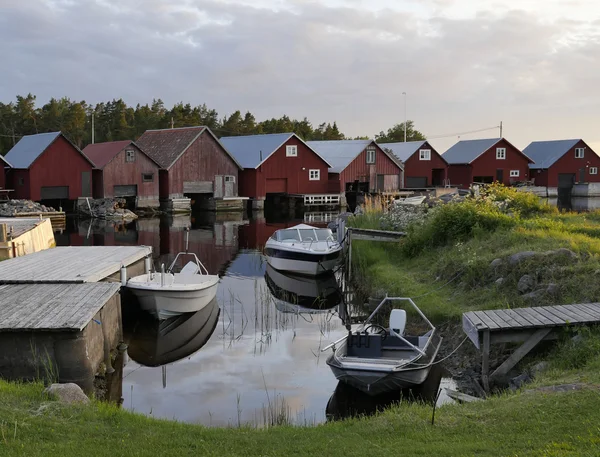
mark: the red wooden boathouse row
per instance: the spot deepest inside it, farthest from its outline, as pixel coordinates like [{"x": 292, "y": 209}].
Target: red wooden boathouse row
[
  {"x": 423, "y": 165},
  {"x": 360, "y": 165},
  {"x": 280, "y": 164},
  {"x": 47, "y": 166},
  {"x": 194, "y": 165},
  {"x": 486, "y": 161},
  {"x": 124, "y": 170},
  {"x": 564, "y": 163}
]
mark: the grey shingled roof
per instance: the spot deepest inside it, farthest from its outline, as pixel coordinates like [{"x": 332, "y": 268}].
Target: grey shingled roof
[
  {"x": 252, "y": 150},
  {"x": 166, "y": 146},
  {"x": 546, "y": 153},
  {"x": 403, "y": 150},
  {"x": 29, "y": 148},
  {"x": 340, "y": 153},
  {"x": 468, "y": 150}
]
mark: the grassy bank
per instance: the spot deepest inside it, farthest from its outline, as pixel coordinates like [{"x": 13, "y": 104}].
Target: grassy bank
[
  {"x": 530, "y": 423},
  {"x": 448, "y": 252}
]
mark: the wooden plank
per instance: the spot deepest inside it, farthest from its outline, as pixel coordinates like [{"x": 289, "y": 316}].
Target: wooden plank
[
  {"x": 592, "y": 308},
  {"x": 578, "y": 311},
  {"x": 502, "y": 314},
  {"x": 69, "y": 304},
  {"x": 551, "y": 317},
  {"x": 471, "y": 329},
  {"x": 522, "y": 320},
  {"x": 459, "y": 396},
  {"x": 39, "y": 301},
  {"x": 534, "y": 316},
  {"x": 485, "y": 318},
  {"x": 472, "y": 316},
  {"x": 521, "y": 352},
  {"x": 501, "y": 323},
  {"x": 86, "y": 314},
  {"x": 53, "y": 302},
  {"x": 565, "y": 318},
  {"x": 569, "y": 316},
  {"x": 485, "y": 361}
]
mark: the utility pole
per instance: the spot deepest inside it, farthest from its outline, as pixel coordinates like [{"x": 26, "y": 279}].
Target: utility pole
[
  {"x": 404, "y": 93},
  {"x": 500, "y": 129},
  {"x": 93, "y": 133},
  {"x": 172, "y": 122}
]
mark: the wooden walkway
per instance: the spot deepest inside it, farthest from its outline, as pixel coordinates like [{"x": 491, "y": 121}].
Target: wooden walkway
[
  {"x": 52, "y": 307},
  {"x": 526, "y": 325},
  {"x": 70, "y": 264}
]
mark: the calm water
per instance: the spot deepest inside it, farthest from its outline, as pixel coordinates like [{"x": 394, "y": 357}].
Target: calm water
[{"x": 255, "y": 355}]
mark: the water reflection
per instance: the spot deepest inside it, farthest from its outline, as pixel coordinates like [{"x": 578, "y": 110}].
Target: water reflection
[{"x": 153, "y": 343}]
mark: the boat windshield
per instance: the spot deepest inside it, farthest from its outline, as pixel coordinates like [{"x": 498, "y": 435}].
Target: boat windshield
[
  {"x": 289, "y": 235},
  {"x": 307, "y": 234},
  {"x": 324, "y": 234}
]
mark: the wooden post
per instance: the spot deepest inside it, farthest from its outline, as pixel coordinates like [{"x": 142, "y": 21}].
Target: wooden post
[
  {"x": 485, "y": 360},
  {"x": 3, "y": 233},
  {"x": 521, "y": 352},
  {"x": 349, "y": 254}
]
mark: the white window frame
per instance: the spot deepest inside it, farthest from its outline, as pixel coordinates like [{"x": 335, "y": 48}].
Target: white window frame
[
  {"x": 314, "y": 175},
  {"x": 500, "y": 153},
  {"x": 593, "y": 170},
  {"x": 515, "y": 173},
  {"x": 371, "y": 154},
  {"x": 229, "y": 178},
  {"x": 579, "y": 153},
  {"x": 424, "y": 154},
  {"x": 130, "y": 155},
  {"x": 291, "y": 150}
]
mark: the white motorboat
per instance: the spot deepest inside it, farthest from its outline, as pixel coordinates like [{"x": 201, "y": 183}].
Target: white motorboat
[
  {"x": 376, "y": 359},
  {"x": 303, "y": 249},
  {"x": 166, "y": 294}
]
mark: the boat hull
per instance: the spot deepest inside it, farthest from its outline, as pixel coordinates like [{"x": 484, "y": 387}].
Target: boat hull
[
  {"x": 375, "y": 383},
  {"x": 164, "y": 304},
  {"x": 305, "y": 264}
]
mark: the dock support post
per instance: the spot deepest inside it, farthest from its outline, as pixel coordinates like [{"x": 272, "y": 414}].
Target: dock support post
[
  {"x": 485, "y": 360},
  {"x": 521, "y": 352},
  {"x": 147, "y": 265},
  {"x": 349, "y": 254},
  {"x": 123, "y": 275}
]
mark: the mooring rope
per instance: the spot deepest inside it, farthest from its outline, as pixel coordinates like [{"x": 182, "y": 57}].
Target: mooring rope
[{"x": 445, "y": 358}]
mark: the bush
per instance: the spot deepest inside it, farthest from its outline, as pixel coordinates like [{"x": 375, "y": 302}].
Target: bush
[
  {"x": 452, "y": 223},
  {"x": 509, "y": 199}
]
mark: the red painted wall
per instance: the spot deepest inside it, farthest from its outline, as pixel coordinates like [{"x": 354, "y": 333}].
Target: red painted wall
[
  {"x": 15, "y": 178},
  {"x": 487, "y": 164},
  {"x": 360, "y": 170},
  {"x": 253, "y": 183},
  {"x": 414, "y": 167},
  {"x": 460, "y": 175},
  {"x": 119, "y": 172},
  {"x": 61, "y": 164},
  {"x": 3, "y": 174},
  {"x": 202, "y": 161},
  {"x": 569, "y": 164}
]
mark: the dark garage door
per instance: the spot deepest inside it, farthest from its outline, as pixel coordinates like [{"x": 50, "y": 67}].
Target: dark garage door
[
  {"x": 126, "y": 191},
  {"x": 54, "y": 193},
  {"x": 566, "y": 180},
  {"x": 420, "y": 181}
]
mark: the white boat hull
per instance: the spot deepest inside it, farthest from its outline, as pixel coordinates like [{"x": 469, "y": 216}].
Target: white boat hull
[
  {"x": 302, "y": 266},
  {"x": 180, "y": 293}
]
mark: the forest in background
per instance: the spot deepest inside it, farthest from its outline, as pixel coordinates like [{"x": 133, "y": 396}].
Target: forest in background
[{"x": 115, "y": 120}]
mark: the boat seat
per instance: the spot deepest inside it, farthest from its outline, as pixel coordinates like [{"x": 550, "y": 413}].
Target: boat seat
[
  {"x": 190, "y": 268},
  {"x": 398, "y": 321}
]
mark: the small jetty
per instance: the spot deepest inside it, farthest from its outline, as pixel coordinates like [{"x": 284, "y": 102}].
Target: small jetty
[
  {"x": 529, "y": 326},
  {"x": 60, "y": 311},
  {"x": 19, "y": 237}
]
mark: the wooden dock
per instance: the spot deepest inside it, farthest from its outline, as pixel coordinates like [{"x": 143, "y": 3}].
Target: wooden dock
[
  {"x": 522, "y": 325},
  {"x": 74, "y": 264},
  {"x": 374, "y": 235},
  {"x": 52, "y": 307}
]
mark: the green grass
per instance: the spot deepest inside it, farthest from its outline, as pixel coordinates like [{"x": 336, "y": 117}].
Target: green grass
[{"x": 536, "y": 424}]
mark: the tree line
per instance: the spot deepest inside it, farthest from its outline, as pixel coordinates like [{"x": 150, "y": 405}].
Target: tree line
[{"x": 115, "y": 120}]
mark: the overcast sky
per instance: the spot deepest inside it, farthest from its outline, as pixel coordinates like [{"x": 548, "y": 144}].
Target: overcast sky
[{"x": 464, "y": 64}]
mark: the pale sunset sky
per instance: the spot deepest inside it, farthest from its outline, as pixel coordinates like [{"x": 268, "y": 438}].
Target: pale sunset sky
[{"x": 464, "y": 64}]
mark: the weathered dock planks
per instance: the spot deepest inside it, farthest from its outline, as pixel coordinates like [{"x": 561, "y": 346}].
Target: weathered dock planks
[
  {"x": 70, "y": 264},
  {"x": 526, "y": 325},
  {"x": 52, "y": 307}
]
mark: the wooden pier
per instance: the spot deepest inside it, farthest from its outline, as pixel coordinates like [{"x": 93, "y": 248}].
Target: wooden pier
[
  {"x": 529, "y": 326},
  {"x": 74, "y": 264}
]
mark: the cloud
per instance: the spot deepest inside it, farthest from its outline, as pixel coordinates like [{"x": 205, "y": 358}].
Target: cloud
[{"x": 464, "y": 64}]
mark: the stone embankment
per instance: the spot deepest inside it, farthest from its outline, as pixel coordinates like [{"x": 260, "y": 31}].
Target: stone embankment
[
  {"x": 12, "y": 207},
  {"x": 106, "y": 208}
]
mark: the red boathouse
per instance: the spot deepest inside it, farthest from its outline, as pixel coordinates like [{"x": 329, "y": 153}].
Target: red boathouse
[
  {"x": 124, "y": 170},
  {"x": 423, "y": 165},
  {"x": 47, "y": 166},
  {"x": 486, "y": 161}
]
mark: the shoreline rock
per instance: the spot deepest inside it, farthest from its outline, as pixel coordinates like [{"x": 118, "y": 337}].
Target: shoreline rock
[
  {"x": 12, "y": 207},
  {"x": 107, "y": 208}
]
